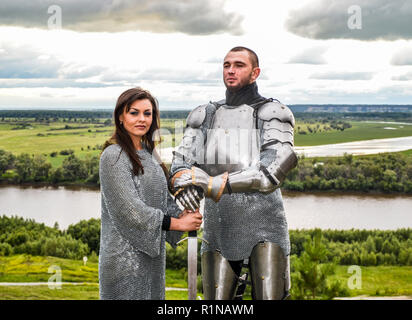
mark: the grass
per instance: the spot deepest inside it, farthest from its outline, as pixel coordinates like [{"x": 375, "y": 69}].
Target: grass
[
  {"x": 44, "y": 139},
  {"x": 27, "y": 268},
  {"x": 359, "y": 131},
  {"x": 379, "y": 281},
  {"x": 376, "y": 281}
]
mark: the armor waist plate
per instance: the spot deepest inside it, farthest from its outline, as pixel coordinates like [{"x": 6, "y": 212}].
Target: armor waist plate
[{"x": 232, "y": 141}]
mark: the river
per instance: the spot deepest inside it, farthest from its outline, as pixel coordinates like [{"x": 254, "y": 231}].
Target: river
[
  {"x": 303, "y": 210},
  {"x": 363, "y": 147}
]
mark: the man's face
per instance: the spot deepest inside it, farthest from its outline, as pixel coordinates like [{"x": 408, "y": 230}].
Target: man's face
[{"x": 238, "y": 71}]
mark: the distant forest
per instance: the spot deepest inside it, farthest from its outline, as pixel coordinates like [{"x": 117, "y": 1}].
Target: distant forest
[
  {"x": 55, "y": 115},
  {"x": 301, "y": 112},
  {"x": 346, "y": 108}
]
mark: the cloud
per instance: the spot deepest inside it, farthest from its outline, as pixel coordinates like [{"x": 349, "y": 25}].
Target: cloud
[
  {"x": 404, "y": 77},
  {"x": 342, "y": 76},
  {"x": 73, "y": 71},
  {"x": 26, "y": 63},
  {"x": 29, "y": 67},
  {"x": 402, "y": 58},
  {"x": 310, "y": 56},
  {"x": 325, "y": 19},
  {"x": 179, "y": 76},
  {"x": 199, "y": 17},
  {"x": 50, "y": 83}
]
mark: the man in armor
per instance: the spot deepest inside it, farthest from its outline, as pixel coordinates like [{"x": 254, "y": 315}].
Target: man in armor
[{"x": 236, "y": 152}]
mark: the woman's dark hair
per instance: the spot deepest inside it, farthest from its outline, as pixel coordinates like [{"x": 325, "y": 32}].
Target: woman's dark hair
[{"x": 122, "y": 137}]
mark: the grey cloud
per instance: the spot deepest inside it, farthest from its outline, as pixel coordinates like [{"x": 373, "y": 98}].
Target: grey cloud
[
  {"x": 310, "y": 56},
  {"x": 397, "y": 94},
  {"x": 26, "y": 63},
  {"x": 404, "y": 77},
  {"x": 197, "y": 17},
  {"x": 402, "y": 58},
  {"x": 50, "y": 83},
  {"x": 325, "y": 19},
  {"x": 342, "y": 76},
  {"x": 28, "y": 67},
  {"x": 163, "y": 75},
  {"x": 80, "y": 72}
]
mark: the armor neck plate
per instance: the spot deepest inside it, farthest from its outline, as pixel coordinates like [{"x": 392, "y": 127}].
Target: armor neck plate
[{"x": 233, "y": 141}]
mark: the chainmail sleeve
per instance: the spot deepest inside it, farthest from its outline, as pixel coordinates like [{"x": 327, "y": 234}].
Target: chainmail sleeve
[
  {"x": 139, "y": 224},
  {"x": 173, "y": 210}
]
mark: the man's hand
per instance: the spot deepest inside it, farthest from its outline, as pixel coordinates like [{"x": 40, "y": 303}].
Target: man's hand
[
  {"x": 212, "y": 186},
  {"x": 189, "y": 197}
]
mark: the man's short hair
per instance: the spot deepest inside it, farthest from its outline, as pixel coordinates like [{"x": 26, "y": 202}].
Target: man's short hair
[{"x": 252, "y": 55}]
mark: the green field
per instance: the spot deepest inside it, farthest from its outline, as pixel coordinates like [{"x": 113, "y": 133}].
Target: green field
[
  {"x": 27, "y": 268},
  {"x": 376, "y": 281},
  {"x": 85, "y": 140},
  {"x": 44, "y": 139},
  {"x": 359, "y": 131}
]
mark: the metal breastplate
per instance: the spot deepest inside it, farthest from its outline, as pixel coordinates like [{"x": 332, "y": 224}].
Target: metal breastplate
[{"x": 232, "y": 141}]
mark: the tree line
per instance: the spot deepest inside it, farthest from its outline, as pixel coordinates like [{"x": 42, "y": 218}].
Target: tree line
[
  {"x": 300, "y": 113},
  {"x": 344, "y": 247},
  {"x": 54, "y": 115},
  {"x": 26, "y": 168},
  {"x": 390, "y": 172},
  {"x": 378, "y": 173}
]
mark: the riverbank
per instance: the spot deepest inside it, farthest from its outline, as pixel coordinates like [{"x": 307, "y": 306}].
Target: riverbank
[
  {"x": 304, "y": 210},
  {"x": 290, "y": 193}
]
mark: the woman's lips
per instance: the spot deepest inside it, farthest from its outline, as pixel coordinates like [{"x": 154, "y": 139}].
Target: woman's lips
[{"x": 140, "y": 127}]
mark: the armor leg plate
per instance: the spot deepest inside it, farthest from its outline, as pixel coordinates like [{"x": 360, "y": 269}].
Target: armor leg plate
[
  {"x": 219, "y": 279},
  {"x": 270, "y": 274}
]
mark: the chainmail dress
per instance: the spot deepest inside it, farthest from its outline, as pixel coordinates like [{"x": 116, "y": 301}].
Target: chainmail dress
[
  {"x": 132, "y": 256},
  {"x": 239, "y": 221}
]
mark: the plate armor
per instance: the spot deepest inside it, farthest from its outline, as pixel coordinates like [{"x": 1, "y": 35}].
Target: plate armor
[{"x": 253, "y": 146}]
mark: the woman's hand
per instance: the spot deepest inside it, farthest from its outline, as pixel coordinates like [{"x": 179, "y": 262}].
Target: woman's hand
[
  {"x": 187, "y": 211},
  {"x": 188, "y": 221}
]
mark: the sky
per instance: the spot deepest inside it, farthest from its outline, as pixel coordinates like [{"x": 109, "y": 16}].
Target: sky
[{"x": 75, "y": 54}]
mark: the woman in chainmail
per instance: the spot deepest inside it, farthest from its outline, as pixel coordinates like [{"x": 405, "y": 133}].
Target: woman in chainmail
[{"x": 138, "y": 213}]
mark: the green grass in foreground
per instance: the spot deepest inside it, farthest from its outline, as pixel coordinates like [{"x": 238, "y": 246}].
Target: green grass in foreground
[
  {"x": 376, "y": 281},
  {"x": 379, "y": 281},
  {"x": 67, "y": 292}
]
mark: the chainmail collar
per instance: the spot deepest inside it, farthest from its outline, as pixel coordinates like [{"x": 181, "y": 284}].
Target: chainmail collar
[{"x": 247, "y": 95}]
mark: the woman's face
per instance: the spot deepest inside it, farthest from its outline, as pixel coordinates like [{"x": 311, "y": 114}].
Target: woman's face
[{"x": 138, "y": 119}]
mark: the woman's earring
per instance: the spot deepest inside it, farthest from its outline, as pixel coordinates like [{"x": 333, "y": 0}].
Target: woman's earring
[{"x": 121, "y": 122}]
